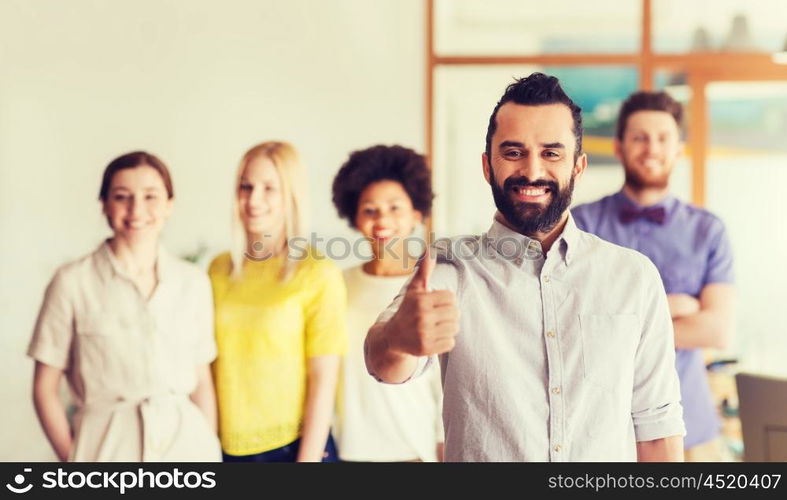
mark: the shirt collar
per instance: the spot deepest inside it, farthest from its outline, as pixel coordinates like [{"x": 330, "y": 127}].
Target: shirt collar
[
  {"x": 517, "y": 247},
  {"x": 669, "y": 202},
  {"x": 108, "y": 265}
]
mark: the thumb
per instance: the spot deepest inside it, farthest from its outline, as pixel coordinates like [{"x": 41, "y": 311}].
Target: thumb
[{"x": 420, "y": 281}]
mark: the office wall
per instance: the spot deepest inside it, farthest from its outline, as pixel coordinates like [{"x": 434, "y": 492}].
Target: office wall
[{"x": 196, "y": 82}]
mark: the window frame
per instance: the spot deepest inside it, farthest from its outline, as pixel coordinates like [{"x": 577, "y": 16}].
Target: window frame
[{"x": 701, "y": 68}]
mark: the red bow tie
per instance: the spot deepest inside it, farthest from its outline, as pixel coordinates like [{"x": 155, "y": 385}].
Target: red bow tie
[{"x": 629, "y": 214}]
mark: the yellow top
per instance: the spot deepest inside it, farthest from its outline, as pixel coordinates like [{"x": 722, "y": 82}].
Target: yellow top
[{"x": 265, "y": 331}]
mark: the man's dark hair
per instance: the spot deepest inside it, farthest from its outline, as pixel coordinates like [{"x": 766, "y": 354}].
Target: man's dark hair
[
  {"x": 536, "y": 90},
  {"x": 648, "y": 101},
  {"x": 381, "y": 163}
]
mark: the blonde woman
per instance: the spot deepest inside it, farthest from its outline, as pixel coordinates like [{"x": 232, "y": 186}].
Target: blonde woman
[
  {"x": 131, "y": 327},
  {"x": 279, "y": 320},
  {"x": 384, "y": 192}
]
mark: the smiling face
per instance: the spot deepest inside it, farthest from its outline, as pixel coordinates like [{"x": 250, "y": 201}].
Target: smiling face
[
  {"x": 137, "y": 204},
  {"x": 649, "y": 149},
  {"x": 532, "y": 167},
  {"x": 260, "y": 200},
  {"x": 385, "y": 211}
]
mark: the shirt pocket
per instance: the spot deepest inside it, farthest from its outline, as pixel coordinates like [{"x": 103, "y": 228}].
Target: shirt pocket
[
  {"x": 94, "y": 341},
  {"x": 608, "y": 348}
]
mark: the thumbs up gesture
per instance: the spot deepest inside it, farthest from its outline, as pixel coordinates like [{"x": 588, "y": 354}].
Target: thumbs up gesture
[{"x": 427, "y": 321}]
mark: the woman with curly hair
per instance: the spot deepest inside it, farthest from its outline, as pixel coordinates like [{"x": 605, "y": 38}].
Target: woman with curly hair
[{"x": 384, "y": 192}]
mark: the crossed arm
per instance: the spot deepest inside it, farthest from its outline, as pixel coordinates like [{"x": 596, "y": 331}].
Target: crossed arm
[{"x": 707, "y": 322}]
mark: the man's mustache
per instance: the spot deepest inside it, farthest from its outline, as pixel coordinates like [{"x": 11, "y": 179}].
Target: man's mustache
[{"x": 523, "y": 182}]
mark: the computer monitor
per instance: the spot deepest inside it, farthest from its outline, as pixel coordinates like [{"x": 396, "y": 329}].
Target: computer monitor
[{"x": 763, "y": 414}]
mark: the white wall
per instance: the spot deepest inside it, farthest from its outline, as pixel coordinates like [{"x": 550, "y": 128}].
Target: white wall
[{"x": 196, "y": 82}]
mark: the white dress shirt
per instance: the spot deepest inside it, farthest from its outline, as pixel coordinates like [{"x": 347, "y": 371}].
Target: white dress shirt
[{"x": 563, "y": 357}]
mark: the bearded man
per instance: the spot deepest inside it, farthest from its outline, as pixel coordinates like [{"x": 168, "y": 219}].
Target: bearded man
[{"x": 564, "y": 347}]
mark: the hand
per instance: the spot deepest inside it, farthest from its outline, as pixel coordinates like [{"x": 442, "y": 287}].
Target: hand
[
  {"x": 427, "y": 322},
  {"x": 441, "y": 452},
  {"x": 681, "y": 304}
]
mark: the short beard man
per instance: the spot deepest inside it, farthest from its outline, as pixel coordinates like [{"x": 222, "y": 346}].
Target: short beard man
[
  {"x": 639, "y": 181},
  {"x": 530, "y": 218}
]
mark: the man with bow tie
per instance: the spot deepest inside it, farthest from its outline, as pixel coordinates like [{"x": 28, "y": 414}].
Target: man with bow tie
[{"x": 688, "y": 245}]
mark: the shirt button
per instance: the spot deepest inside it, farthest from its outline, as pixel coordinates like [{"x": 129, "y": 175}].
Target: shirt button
[
  {"x": 546, "y": 278},
  {"x": 550, "y": 333},
  {"x": 556, "y": 390},
  {"x": 557, "y": 448}
]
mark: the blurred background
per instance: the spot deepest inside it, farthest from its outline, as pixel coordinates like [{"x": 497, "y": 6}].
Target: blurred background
[{"x": 198, "y": 82}]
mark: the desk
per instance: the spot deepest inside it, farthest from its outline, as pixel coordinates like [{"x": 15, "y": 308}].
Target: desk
[{"x": 725, "y": 396}]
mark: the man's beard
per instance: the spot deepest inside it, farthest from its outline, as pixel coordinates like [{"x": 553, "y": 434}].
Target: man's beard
[
  {"x": 639, "y": 182},
  {"x": 531, "y": 218}
]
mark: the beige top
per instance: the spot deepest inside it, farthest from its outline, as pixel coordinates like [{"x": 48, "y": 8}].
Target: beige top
[{"x": 130, "y": 363}]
